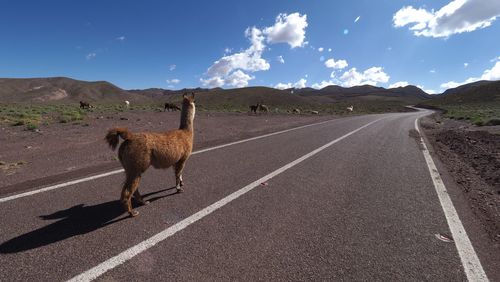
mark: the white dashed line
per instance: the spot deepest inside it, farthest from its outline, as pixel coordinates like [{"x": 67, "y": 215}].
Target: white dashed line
[
  {"x": 128, "y": 254},
  {"x": 69, "y": 183}
]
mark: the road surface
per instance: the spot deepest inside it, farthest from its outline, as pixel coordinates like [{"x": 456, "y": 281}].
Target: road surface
[{"x": 347, "y": 199}]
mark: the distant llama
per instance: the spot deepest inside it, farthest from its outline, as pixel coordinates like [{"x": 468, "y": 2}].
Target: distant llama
[
  {"x": 139, "y": 151},
  {"x": 127, "y": 104},
  {"x": 296, "y": 111},
  {"x": 84, "y": 105},
  {"x": 263, "y": 108},
  {"x": 170, "y": 107},
  {"x": 254, "y": 108},
  {"x": 350, "y": 108}
]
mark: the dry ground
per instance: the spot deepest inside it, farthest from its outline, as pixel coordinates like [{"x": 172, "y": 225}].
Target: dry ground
[{"x": 472, "y": 156}]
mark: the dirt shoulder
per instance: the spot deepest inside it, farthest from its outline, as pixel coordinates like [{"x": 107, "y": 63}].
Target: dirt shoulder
[
  {"x": 472, "y": 157},
  {"x": 63, "y": 151}
]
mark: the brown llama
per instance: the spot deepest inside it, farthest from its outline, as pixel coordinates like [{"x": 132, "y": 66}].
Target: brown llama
[{"x": 139, "y": 151}]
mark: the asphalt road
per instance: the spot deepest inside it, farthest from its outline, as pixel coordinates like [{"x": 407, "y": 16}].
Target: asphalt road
[{"x": 361, "y": 209}]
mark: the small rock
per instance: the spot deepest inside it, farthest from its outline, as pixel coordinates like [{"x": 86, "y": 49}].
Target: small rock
[{"x": 123, "y": 118}]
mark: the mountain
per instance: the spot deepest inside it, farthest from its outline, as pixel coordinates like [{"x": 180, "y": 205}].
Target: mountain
[
  {"x": 67, "y": 90},
  {"x": 409, "y": 93},
  {"x": 62, "y": 89},
  {"x": 479, "y": 92}
]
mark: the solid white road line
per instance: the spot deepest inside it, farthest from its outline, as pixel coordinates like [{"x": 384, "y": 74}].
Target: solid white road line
[
  {"x": 65, "y": 184},
  {"x": 470, "y": 261},
  {"x": 128, "y": 254}
]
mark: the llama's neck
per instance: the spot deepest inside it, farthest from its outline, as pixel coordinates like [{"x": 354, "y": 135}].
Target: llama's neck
[{"x": 187, "y": 118}]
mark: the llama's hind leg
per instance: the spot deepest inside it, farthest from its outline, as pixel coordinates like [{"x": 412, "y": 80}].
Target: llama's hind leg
[
  {"x": 129, "y": 189},
  {"x": 138, "y": 198},
  {"x": 179, "y": 167}
]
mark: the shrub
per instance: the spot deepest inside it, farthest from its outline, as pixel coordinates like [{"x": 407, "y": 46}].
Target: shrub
[{"x": 31, "y": 126}]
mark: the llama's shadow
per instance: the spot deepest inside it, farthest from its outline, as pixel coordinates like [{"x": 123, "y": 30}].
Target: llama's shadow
[{"x": 77, "y": 220}]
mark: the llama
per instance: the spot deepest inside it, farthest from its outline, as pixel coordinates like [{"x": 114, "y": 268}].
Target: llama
[
  {"x": 263, "y": 108},
  {"x": 254, "y": 108},
  {"x": 169, "y": 106},
  {"x": 315, "y": 112},
  {"x": 350, "y": 108},
  {"x": 296, "y": 111},
  {"x": 127, "y": 104},
  {"x": 139, "y": 151},
  {"x": 84, "y": 105}
]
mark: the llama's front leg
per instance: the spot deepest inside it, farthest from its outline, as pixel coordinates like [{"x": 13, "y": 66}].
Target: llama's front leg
[{"x": 179, "y": 166}]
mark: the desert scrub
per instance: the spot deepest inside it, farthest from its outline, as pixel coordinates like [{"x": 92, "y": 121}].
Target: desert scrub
[
  {"x": 478, "y": 115},
  {"x": 69, "y": 116},
  {"x": 31, "y": 126}
]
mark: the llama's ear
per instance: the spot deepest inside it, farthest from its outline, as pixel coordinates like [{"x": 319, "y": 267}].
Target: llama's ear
[{"x": 184, "y": 95}]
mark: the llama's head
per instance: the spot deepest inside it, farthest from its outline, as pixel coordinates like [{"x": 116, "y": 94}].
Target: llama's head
[{"x": 188, "y": 105}]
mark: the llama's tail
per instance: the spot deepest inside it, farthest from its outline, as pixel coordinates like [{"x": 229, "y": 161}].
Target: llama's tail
[{"x": 113, "y": 136}]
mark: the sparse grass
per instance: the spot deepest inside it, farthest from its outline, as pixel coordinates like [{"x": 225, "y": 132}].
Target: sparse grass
[
  {"x": 477, "y": 114},
  {"x": 31, "y": 126}
]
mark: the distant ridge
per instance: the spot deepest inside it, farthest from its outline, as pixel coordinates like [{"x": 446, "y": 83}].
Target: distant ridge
[
  {"x": 56, "y": 89},
  {"x": 68, "y": 90},
  {"x": 473, "y": 93}
]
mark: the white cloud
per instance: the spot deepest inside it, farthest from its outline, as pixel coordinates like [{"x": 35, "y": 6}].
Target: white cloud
[
  {"x": 340, "y": 64},
  {"x": 233, "y": 69},
  {"x": 282, "y": 86},
  {"x": 466, "y": 65},
  {"x": 320, "y": 49},
  {"x": 489, "y": 74},
  {"x": 323, "y": 84},
  {"x": 172, "y": 67},
  {"x": 228, "y": 50},
  {"x": 399, "y": 84},
  {"x": 229, "y": 69},
  {"x": 121, "y": 38},
  {"x": 173, "y": 81},
  {"x": 238, "y": 79},
  {"x": 357, "y": 19},
  {"x": 90, "y": 56},
  {"x": 213, "y": 81},
  {"x": 453, "y": 84},
  {"x": 299, "y": 84},
  {"x": 458, "y": 16},
  {"x": 329, "y": 49},
  {"x": 493, "y": 73},
  {"x": 288, "y": 29},
  {"x": 432, "y": 71},
  {"x": 280, "y": 59},
  {"x": 371, "y": 76}
]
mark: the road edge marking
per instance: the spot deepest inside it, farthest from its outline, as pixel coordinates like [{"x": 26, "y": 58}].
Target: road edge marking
[
  {"x": 470, "y": 261},
  {"x": 85, "y": 179},
  {"x": 133, "y": 251}
]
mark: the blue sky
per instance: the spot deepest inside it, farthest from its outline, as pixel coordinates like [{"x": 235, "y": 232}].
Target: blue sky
[{"x": 177, "y": 44}]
